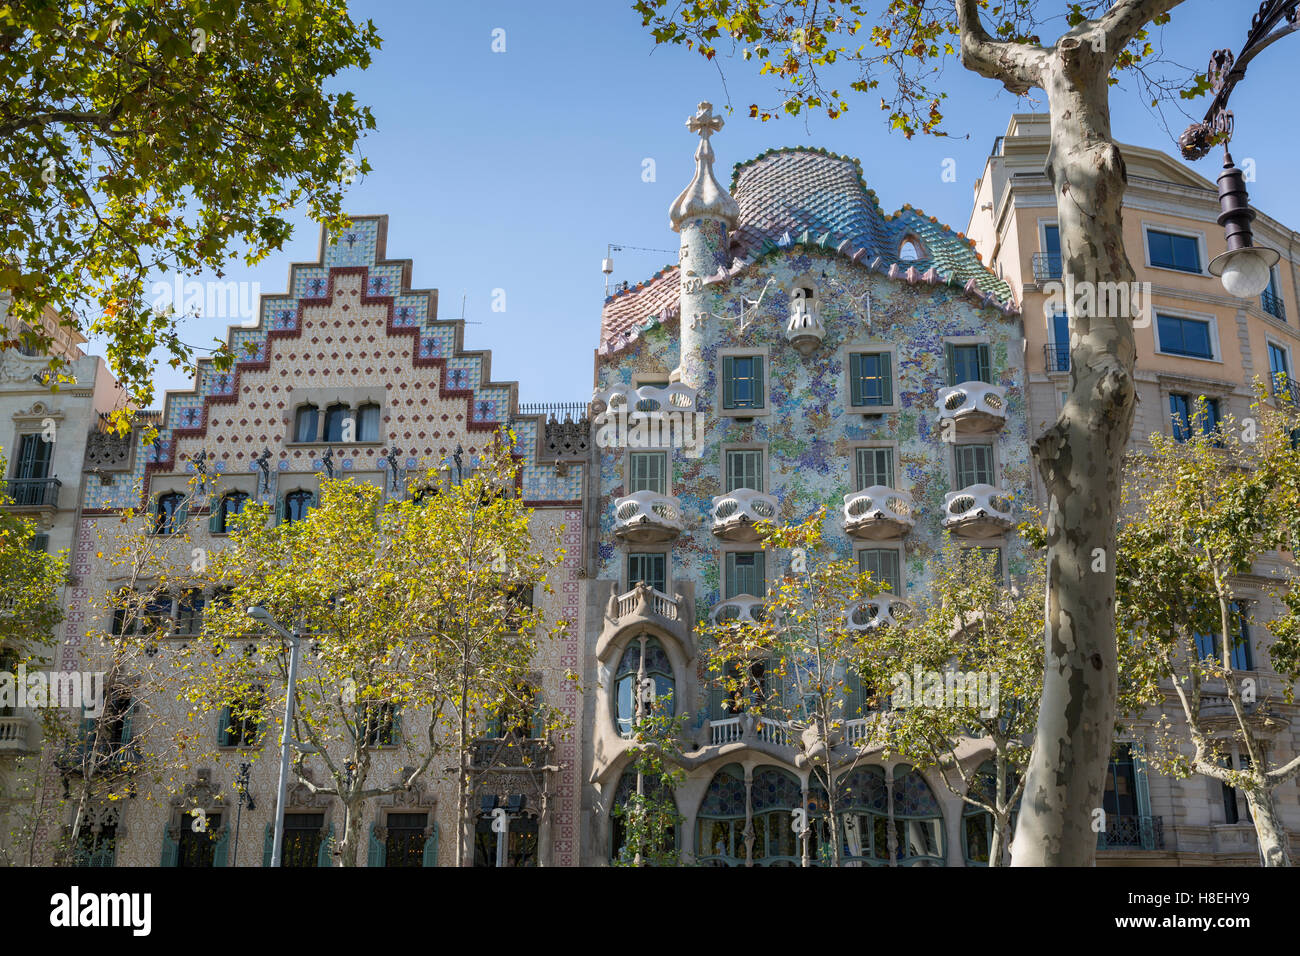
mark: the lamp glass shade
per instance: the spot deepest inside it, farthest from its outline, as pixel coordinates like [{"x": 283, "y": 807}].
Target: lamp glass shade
[{"x": 1245, "y": 272}]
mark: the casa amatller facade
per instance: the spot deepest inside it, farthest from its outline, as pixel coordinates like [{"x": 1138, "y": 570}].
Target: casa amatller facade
[{"x": 809, "y": 350}]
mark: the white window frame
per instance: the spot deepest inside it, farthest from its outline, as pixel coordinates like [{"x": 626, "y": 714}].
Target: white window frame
[
  {"x": 1201, "y": 250},
  {"x": 1207, "y": 317}
]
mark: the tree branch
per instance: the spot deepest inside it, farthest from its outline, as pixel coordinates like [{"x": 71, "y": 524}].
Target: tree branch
[
  {"x": 1122, "y": 22},
  {"x": 1017, "y": 65}
]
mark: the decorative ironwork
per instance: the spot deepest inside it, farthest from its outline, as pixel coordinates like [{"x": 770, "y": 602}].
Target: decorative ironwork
[
  {"x": 1132, "y": 832},
  {"x": 1274, "y": 20},
  {"x": 32, "y": 492}
]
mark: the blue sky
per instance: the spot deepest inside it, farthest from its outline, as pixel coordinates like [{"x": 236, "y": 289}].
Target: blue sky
[{"x": 514, "y": 170}]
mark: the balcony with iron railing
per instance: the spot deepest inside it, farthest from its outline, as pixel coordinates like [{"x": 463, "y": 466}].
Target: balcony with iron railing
[
  {"x": 494, "y": 753},
  {"x": 877, "y": 513},
  {"x": 1124, "y": 832},
  {"x": 737, "y": 514},
  {"x": 972, "y": 407},
  {"x": 1271, "y": 303},
  {"x": 978, "y": 511},
  {"x": 1047, "y": 266},
  {"x": 1056, "y": 358},
  {"x": 647, "y": 517},
  {"x": 31, "y": 492}
]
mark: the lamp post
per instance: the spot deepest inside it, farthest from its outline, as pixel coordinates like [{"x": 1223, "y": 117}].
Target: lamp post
[
  {"x": 294, "y": 638},
  {"x": 1245, "y": 269}
]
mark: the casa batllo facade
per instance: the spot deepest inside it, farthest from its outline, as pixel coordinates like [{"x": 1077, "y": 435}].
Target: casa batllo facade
[
  {"x": 835, "y": 356},
  {"x": 350, "y": 342}
]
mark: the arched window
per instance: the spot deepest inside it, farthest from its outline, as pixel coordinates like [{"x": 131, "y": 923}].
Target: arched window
[
  {"x": 909, "y": 251},
  {"x": 368, "y": 423},
  {"x": 649, "y": 654},
  {"x": 720, "y": 824},
  {"x": 296, "y": 505},
  {"x": 655, "y": 790},
  {"x": 169, "y": 515},
  {"x": 231, "y": 505},
  {"x": 918, "y": 821},
  {"x": 335, "y": 418},
  {"x": 977, "y": 824},
  {"x": 775, "y": 793},
  {"x": 862, "y": 805},
  {"x": 304, "y": 423}
]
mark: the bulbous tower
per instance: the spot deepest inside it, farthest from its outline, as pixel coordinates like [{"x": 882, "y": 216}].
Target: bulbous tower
[{"x": 704, "y": 215}]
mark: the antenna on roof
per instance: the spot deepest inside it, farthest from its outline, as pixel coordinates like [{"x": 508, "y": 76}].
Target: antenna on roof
[{"x": 462, "y": 311}]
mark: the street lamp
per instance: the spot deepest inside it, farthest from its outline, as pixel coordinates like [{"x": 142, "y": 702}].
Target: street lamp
[
  {"x": 1245, "y": 269},
  {"x": 263, "y": 616}
]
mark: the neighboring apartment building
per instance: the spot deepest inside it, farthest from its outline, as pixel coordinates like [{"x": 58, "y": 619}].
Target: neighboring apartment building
[
  {"x": 44, "y": 432},
  {"x": 349, "y": 341},
  {"x": 1193, "y": 339}
]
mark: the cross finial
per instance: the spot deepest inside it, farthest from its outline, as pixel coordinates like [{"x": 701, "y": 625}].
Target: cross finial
[{"x": 704, "y": 122}]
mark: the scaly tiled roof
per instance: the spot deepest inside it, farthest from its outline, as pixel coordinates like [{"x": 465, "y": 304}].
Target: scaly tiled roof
[
  {"x": 812, "y": 197},
  {"x": 627, "y": 314}
]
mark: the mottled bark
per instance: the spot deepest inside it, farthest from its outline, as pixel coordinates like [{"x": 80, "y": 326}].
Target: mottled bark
[
  {"x": 1079, "y": 457},
  {"x": 1274, "y": 848}
]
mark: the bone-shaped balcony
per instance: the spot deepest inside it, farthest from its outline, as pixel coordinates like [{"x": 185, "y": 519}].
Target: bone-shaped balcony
[
  {"x": 804, "y": 330},
  {"x": 972, "y": 407},
  {"x": 648, "y": 399},
  {"x": 879, "y": 611},
  {"x": 647, "y": 517},
  {"x": 737, "y": 514},
  {"x": 743, "y": 607},
  {"x": 877, "y": 513},
  {"x": 979, "y": 511}
]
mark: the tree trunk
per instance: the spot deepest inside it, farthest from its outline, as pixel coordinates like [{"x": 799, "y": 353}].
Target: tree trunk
[
  {"x": 1079, "y": 459},
  {"x": 1001, "y": 824},
  {"x": 1273, "y": 846},
  {"x": 352, "y": 813}
]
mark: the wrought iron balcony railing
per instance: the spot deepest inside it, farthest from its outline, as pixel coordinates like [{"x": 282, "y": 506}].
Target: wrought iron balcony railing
[
  {"x": 1272, "y": 304},
  {"x": 1132, "y": 832},
  {"x": 1047, "y": 266},
  {"x": 1056, "y": 358},
  {"x": 32, "y": 492}
]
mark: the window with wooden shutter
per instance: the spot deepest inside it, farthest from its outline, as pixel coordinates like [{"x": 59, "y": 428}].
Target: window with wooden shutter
[
  {"x": 871, "y": 379},
  {"x": 875, "y": 467},
  {"x": 647, "y": 471},
  {"x": 974, "y": 465},
  {"x": 744, "y": 469},
  {"x": 742, "y": 381}
]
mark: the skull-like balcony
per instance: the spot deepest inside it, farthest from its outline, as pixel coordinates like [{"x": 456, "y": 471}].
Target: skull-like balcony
[
  {"x": 980, "y": 511},
  {"x": 973, "y": 407},
  {"x": 648, "y": 399},
  {"x": 737, "y": 514},
  {"x": 877, "y": 513},
  {"x": 804, "y": 330},
  {"x": 647, "y": 517},
  {"x": 743, "y": 607},
  {"x": 880, "y": 611}
]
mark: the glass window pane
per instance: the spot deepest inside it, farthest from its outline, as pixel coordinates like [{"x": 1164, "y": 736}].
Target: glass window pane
[
  {"x": 974, "y": 465},
  {"x": 648, "y": 471},
  {"x": 650, "y": 568},
  {"x": 875, "y": 467},
  {"x": 368, "y": 423},
  {"x": 744, "y": 470},
  {"x": 305, "y": 424},
  {"x": 883, "y": 566},
  {"x": 745, "y": 574}
]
